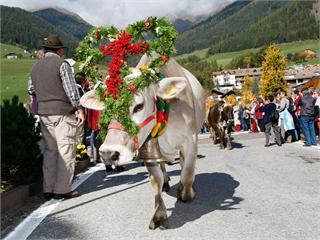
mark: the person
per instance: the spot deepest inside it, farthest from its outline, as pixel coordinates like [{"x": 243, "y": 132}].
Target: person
[
  {"x": 254, "y": 127},
  {"x": 286, "y": 120},
  {"x": 307, "y": 114},
  {"x": 243, "y": 122},
  {"x": 269, "y": 123},
  {"x": 316, "y": 95},
  {"x": 296, "y": 97},
  {"x": 80, "y": 78},
  {"x": 258, "y": 114},
  {"x": 52, "y": 82}
]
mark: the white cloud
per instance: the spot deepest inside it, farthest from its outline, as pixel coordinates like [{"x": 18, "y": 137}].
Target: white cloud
[{"x": 123, "y": 12}]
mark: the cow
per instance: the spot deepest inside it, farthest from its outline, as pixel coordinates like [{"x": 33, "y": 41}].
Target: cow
[
  {"x": 187, "y": 112},
  {"x": 220, "y": 119}
]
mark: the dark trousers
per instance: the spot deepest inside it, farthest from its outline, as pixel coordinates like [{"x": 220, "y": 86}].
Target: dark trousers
[
  {"x": 276, "y": 131},
  {"x": 261, "y": 125},
  {"x": 296, "y": 125}
]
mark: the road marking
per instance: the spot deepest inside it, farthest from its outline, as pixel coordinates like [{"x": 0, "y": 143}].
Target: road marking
[{"x": 29, "y": 224}]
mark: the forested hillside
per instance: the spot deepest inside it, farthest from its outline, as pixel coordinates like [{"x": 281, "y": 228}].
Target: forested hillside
[
  {"x": 247, "y": 24},
  {"x": 291, "y": 23},
  {"x": 68, "y": 23},
  {"x": 23, "y": 28}
]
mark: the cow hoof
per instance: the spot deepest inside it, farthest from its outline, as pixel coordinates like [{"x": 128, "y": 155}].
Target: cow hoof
[
  {"x": 166, "y": 187},
  {"x": 215, "y": 142},
  {"x": 184, "y": 194},
  {"x": 221, "y": 147},
  {"x": 159, "y": 221}
]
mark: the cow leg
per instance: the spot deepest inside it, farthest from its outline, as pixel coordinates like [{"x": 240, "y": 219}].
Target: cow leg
[
  {"x": 186, "y": 192},
  {"x": 215, "y": 132},
  {"x": 229, "y": 145},
  {"x": 159, "y": 218},
  {"x": 221, "y": 133},
  {"x": 166, "y": 185}
]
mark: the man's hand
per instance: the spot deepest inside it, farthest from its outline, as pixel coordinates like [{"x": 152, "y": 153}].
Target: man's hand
[{"x": 80, "y": 116}]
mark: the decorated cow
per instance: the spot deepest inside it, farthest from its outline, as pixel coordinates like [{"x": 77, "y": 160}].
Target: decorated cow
[
  {"x": 156, "y": 105},
  {"x": 220, "y": 119}
]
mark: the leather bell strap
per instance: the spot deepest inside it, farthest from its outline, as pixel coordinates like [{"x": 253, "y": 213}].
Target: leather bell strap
[{"x": 118, "y": 126}]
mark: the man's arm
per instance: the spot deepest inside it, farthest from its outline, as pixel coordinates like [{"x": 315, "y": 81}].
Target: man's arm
[{"x": 70, "y": 87}]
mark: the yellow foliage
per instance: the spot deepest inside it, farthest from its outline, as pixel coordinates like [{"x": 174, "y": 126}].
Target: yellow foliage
[
  {"x": 273, "y": 70},
  {"x": 248, "y": 82},
  {"x": 247, "y": 97},
  {"x": 231, "y": 99}
]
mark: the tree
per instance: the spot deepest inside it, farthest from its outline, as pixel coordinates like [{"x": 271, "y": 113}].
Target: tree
[
  {"x": 20, "y": 152},
  {"x": 273, "y": 70},
  {"x": 247, "y": 96},
  {"x": 202, "y": 70}
]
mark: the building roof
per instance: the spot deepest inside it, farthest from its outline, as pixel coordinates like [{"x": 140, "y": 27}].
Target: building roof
[
  {"x": 10, "y": 54},
  {"x": 292, "y": 72}
]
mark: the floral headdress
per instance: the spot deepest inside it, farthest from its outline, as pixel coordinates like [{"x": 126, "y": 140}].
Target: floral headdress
[{"x": 118, "y": 94}]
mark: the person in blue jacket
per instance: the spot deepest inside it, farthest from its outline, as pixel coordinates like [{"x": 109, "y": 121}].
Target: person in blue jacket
[{"x": 271, "y": 121}]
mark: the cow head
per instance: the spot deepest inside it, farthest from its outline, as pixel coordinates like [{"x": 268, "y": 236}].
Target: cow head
[{"x": 118, "y": 146}]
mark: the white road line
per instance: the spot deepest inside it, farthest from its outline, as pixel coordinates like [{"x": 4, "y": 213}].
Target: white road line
[{"x": 29, "y": 224}]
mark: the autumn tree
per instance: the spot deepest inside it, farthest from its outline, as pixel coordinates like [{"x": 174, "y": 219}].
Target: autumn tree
[
  {"x": 273, "y": 71},
  {"x": 247, "y": 94}
]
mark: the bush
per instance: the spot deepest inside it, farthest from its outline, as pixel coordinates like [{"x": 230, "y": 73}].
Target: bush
[{"x": 21, "y": 160}]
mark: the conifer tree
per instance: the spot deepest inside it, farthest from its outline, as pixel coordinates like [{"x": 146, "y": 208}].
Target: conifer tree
[{"x": 273, "y": 71}]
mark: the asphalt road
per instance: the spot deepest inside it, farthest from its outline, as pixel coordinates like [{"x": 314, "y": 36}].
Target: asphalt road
[{"x": 250, "y": 192}]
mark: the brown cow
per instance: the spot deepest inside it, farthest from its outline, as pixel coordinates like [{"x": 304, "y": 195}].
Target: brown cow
[{"x": 220, "y": 118}]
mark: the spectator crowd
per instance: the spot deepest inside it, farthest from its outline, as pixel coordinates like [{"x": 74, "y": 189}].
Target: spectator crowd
[{"x": 289, "y": 116}]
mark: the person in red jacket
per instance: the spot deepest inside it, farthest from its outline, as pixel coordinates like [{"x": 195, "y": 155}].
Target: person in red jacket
[{"x": 259, "y": 115}]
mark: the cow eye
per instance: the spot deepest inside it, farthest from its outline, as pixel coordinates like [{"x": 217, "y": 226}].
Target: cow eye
[{"x": 138, "y": 108}]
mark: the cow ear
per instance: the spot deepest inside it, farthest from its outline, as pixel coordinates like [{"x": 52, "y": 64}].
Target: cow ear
[
  {"x": 90, "y": 101},
  {"x": 171, "y": 87}
]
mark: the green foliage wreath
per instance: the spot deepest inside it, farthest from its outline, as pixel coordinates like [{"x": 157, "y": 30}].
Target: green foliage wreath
[{"x": 118, "y": 94}]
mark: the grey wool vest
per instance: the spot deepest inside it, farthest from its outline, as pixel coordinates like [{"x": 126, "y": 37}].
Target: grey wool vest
[{"x": 51, "y": 96}]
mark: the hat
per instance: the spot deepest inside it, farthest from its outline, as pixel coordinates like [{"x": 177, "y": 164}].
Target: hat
[{"x": 53, "y": 41}]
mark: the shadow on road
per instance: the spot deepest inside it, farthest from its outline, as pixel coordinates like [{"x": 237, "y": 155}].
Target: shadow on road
[
  {"x": 237, "y": 145},
  {"x": 65, "y": 229},
  {"x": 215, "y": 191},
  {"x": 100, "y": 180}
]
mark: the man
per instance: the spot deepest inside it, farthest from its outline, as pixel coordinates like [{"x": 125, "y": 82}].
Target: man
[
  {"x": 269, "y": 122},
  {"x": 53, "y": 84},
  {"x": 307, "y": 114}
]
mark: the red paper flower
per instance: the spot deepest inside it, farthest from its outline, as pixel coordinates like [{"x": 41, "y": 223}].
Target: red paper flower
[
  {"x": 146, "y": 23},
  {"x": 133, "y": 89},
  {"x": 97, "y": 33},
  {"x": 164, "y": 58}
]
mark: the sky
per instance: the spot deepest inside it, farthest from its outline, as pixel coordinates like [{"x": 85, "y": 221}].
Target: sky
[{"x": 122, "y": 12}]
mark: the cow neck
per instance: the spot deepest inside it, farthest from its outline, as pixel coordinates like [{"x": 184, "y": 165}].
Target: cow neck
[{"x": 160, "y": 113}]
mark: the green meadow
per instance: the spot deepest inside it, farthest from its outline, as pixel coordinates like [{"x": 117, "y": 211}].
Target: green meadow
[{"x": 224, "y": 58}]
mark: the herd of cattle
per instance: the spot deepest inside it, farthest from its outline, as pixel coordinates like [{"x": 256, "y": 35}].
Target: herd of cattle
[{"x": 187, "y": 114}]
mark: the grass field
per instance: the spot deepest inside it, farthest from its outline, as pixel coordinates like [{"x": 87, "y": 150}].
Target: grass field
[
  {"x": 14, "y": 78},
  {"x": 6, "y": 48},
  {"x": 224, "y": 58}
]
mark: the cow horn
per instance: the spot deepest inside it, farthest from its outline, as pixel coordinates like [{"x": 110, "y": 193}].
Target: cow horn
[{"x": 150, "y": 152}]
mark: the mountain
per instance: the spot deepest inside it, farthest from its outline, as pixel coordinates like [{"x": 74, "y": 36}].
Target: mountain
[
  {"x": 182, "y": 25},
  {"x": 26, "y": 29},
  {"x": 66, "y": 21},
  {"x": 248, "y": 24}
]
